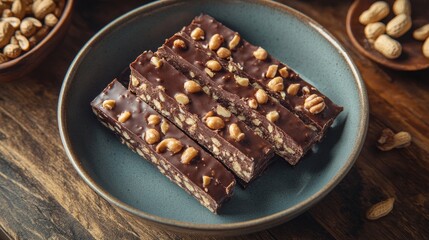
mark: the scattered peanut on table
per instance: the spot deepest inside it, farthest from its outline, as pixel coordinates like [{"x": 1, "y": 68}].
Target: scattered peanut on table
[{"x": 24, "y": 23}]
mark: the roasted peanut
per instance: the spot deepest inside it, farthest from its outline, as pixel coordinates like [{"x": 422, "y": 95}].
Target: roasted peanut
[
  {"x": 374, "y": 30},
  {"x": 109, "y": 104},
  {"x": 124, "y": 116},
  {"x": 284, "y": 72},
  {"x": 206, "y": 181},
  {"x": 215, "y": 42},
  {"x": 51, "y": 20},
  {"x": 261, "y": 96},
  {"x": 164, "y": 127},
  {"x": 35, "y": 21},
  {"x": 181, "y": 98},
  {"x": 189, "y": 154},
  {"x": 12, "y": 51},
  {"x": 207, "y": 115},
  {"x": 375, "y": 13},
  {"x": 14, "y": 21},
  {"x": 314, "y": 104},
  {"x": 389, "y": 140},
  {"x": 192, "y": 86},
  {"x": 221, "y": 111},
  {"x": 27, "y": 27},
  {"x": 153, "y": 119},
  {"x": 197, "y": 34},
  {"x": 380, "y": 209},
  {"x": 18, "y": 9},
  {"x": 293, "y": 89},
  {"x": 402, "y": 6},
  {"x": 272, "y": 71},
  {"x": 387, "y": 46},
  {"x": 156, "y": 62},
  {"x": 223, "y": 53},
  {"x": 179, "y": 43},
  {"x": 276, "y": 84},
  {"x": 7, "y": 13},
  {"x": 215, "y": 123},
  {"x": 425, "y": 48},
  {"x": 134, "y": 81},
  {"x": 152, "y": 136},
  {"x": 252, "y": 103},
  {"x": 235, "y": 132},
  {"x": 41, "y": 8},
  {"x": 213, "y": 65},
  {"x": 6, "y": 33},
  {"x": 273, "y": 116},
  {"x": 242, "y": 81},
  {"x": 173, "y": 145},
  {"x": 260, "y": 54},
  {"x": 399, "y": 25},
  {"x": 234, "y": 41},
  {"x": 421, "y": 33}
]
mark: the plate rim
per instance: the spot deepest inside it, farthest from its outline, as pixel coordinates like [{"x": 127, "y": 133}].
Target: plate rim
[{"x": 243, "y": 226}]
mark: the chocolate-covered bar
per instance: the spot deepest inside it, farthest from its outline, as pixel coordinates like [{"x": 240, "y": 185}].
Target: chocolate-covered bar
[
  {"x": 275, "y": 77},
  {"x": 185, "y": 103},
  {"x": 153, "y": 137},
  {"x": 267, "y": 117}
]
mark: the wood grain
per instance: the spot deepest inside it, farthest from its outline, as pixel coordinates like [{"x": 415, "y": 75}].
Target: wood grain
[{"x": 42, "y": 197}]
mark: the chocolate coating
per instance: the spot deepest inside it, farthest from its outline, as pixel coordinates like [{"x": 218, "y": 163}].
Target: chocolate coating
[
  {"x": 242, "y": 55},
  {"x": 203, "y": 165},
  {"x": 252, "y": 151}
]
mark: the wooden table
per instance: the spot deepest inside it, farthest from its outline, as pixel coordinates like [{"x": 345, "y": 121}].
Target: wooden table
[{"x": 42, "y": 196}]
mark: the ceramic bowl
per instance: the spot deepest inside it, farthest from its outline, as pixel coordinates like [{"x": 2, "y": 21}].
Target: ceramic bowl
[
  {"x": 18, "y": 67},
  {"x": 283, "y": 192}
]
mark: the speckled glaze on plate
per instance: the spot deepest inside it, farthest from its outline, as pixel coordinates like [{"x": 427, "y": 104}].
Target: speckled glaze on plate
[{"x": 283, "y": 192}]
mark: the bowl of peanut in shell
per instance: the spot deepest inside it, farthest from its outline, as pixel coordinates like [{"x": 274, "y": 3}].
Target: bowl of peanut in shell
[{"x": 29, "y": 31}]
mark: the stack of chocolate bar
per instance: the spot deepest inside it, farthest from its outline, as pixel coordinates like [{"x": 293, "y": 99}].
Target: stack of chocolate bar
[{"x": 209, "y": 103}]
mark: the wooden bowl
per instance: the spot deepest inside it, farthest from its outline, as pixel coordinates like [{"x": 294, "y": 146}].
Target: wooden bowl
[
  {"x": 412, "y": 58},
  {"x": 16, "y": 68}
]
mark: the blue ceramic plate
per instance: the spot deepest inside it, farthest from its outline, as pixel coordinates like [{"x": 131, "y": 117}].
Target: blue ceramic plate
[{"x": 126, "y": 180}]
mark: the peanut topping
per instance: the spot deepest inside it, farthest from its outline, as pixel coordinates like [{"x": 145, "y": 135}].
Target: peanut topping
[
  {"x": 197, "y": 34},
  {"x": 134, "y": 81},
  {"x": 215, "y": 123},
  {"x": 276, "y": 84},
  {"x": 124, "y": 116},
  {"x": 206, "y": 181},
  {"x": 223, "y": 53},
  {"x": 109, "y": 104},
  {"x": 273, "y": 116},
  {"x": 152, "y": 136},
  {"x": 153, "y": 119},
  {"x": 284, "y": 72},
  {"x": 252, "y": 103},
  {"x": 191, "y": 86},
  {"x": 164, "y": 127},
  {"x": 272, "y": 71},
  {"x": 235, "y": 132},
  {"x": 221, "y": 111},
  {"x": 179, "y": 43},
  {"x": 173, "y": 145},
  {"x": 215, "y": 42},
  {"x": 242, "y": 81},
  {"x": 260, "y": 54},
  {"x": 234, "y": 41},
  {"x": 189, "y": 154},
  {"x": 213, "y": 65},
  {"x": 181, "y": 98},
  {"x": 293, "y": 89},
  {"x": 314, "y": 104},
  {"x": 156, "y": 62},
  {"x": 261, "y": 96},
  {"x": 207, "y": 115}
]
